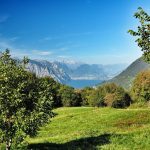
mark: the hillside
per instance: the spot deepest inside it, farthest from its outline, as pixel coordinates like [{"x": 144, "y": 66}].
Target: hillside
[
  {"x": 95, "y": 128},
  {"x": 126, "y": 77}
]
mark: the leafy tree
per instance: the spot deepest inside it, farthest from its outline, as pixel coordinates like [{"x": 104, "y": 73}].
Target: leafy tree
[
  {"x": 109, "y": 98},
  {"x": 121, "y": 100},
  {"x": 68, "y": 96},
  {"x": 115, "y": 96},
  {"x": 85, "y": 94},
  {"x": 25, "y": 101},
  {"x": 96, "y": 98},
  {"x": 140, "y": 90},
  {"x": 143, "y": 33},
  {"x": 109, "y": 88},
  {"x": 108, "y": 94},
  {"x": 53, "y": 88}
]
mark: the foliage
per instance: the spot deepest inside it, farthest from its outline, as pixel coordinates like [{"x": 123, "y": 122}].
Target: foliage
[
  {"x": 115, "y": 96},
  {"x": 69, "y": 97},
  {"x": 53, "y": 89},
  {"x": 85, "y": 93},
  {"x": 108, "y": 94},
  {"x": 121, "y": 100},
  {"x": 25, "y": 101},
  {"x": 110, "y": 88},
  {"x": 96, "y": 98},
  {"x": 143, "y": 33},
  {"x": 141, "y": 87}
]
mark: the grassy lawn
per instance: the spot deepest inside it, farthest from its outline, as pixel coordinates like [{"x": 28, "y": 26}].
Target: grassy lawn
[{"x": 85, "y": 128}]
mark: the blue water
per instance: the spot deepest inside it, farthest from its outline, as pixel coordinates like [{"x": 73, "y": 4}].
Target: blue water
[{"x": 83, "y": 83}]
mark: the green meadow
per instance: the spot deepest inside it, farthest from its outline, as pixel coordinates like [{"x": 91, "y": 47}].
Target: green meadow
[{"x": 89, "y": 128}]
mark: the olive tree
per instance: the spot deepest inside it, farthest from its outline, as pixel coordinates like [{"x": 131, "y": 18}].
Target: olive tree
[
  {"x": 25, "y": 101},
  {"x": 143, "y": 33}
]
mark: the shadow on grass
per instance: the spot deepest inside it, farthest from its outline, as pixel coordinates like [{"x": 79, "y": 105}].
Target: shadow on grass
[{"x": 88, "y": 143}]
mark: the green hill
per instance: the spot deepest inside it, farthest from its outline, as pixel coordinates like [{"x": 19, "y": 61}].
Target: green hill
[
  {"x": 126, "y": 77},
  {"x": 87, "y": 128}
]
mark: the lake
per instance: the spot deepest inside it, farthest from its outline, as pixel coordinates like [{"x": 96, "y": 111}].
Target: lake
[{"x": 83, "y": 83}]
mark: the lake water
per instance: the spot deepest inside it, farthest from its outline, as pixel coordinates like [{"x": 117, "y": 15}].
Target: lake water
[{"x": 83, "y": 83}]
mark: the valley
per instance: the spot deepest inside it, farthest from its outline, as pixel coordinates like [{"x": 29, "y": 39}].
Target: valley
[
  {"x": 74, "y": 75},
  {"x": 77, "y": 75}
]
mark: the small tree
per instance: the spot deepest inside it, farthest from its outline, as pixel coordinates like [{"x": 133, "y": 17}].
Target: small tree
[
  {"x": 25, "y": 102},
  {"x": 143, "y": 33},
  {"x": 96, "y": 98},
  {"x": 115, "y": 96},
  {"x": 140, "y": 90},
  {"x": 69, "y": 97},
  {"x": 85, "y": 94}
]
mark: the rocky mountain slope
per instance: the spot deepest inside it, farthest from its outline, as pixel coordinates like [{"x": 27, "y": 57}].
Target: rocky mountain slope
[
  {"x": 65, "y": 72},
  {"x": 45, "y": 68}
]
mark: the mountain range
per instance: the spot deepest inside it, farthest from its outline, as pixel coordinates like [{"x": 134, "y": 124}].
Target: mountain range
[
  {"x": 79, "y": 74},
  {"x": 72, "y": 72}
]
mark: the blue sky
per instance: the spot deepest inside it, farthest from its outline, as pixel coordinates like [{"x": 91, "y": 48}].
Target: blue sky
[{"x": 92, "y": 31}]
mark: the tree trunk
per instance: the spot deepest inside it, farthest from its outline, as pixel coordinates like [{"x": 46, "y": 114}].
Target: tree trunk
[{"x": 8, "y": 144}]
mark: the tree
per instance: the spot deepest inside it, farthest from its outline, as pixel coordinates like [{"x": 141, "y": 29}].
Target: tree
[
  {"x": 140, "y": 90},
  {"x": 69, "y": 97},
  {"x": 85, "y": 93},
  {"x": 25, "y": 102},
  {"x": 53, "y": 88},
  {"x": 109, "y": 88},
  {"x": 96, "y": 98},
  {"x": 121, "y": 100},
  {"x": 115, "y": 96},
  {"x": 143, "y": 33}
]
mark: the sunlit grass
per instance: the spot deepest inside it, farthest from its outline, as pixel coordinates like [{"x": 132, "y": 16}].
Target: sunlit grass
[{"x": 95, "y": 128}]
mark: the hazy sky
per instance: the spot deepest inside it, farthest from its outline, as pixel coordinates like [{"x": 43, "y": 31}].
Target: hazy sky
[{"x": 92, "y": 31}]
